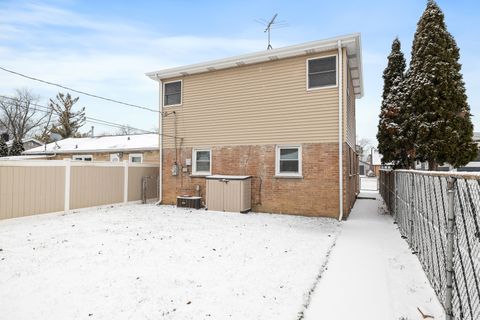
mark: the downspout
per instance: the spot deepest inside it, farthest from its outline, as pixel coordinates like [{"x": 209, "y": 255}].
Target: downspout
[
  {"x": 340, "y": 129},
  {"x": 160, "y": 132}
]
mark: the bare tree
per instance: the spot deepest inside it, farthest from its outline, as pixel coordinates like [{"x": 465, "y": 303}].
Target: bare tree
[
  {"x": 21, "y": 116},
  {"x": 126, "y": 130},
  {"x": 363, "y": 144}
]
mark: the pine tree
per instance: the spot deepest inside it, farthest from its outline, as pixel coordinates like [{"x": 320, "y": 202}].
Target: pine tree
[
  {"x": 440, "y": 120},
  {"x": 3, "y": 147},
  {"x": 69, "y": 121},
  {"x": 17, "y": 148},
  {"x": 389, "y": 126}
]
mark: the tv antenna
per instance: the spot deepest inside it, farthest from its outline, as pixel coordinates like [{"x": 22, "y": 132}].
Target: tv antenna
[{"x": 272, "y": 24}]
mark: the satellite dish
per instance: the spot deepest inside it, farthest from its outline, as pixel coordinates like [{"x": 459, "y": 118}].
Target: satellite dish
[{"x": 55, "y": 137}]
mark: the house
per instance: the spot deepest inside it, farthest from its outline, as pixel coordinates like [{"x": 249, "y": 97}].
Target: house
[
  {"x": 285, "y": 117},
  {"x": 28, "y": 143},
  {"x": 134, "y": 148}
]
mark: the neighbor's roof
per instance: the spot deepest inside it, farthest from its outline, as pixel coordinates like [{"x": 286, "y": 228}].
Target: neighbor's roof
[
  {"x": 134, "y": 142},
  {"x": 10, "y": 142},
  {"x": 351, "y": 42}
]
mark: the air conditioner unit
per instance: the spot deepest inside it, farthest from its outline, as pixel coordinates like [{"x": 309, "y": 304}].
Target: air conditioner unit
[{"x": 189, "y": 202}]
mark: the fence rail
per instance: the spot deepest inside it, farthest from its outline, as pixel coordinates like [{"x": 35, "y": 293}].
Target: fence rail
[
  {"x": 439, "y": 216},
  {"x": 33, "y": 187}
]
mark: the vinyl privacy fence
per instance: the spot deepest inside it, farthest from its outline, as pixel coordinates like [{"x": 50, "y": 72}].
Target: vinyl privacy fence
[
  {"x": 439, "y": 216},
  {"x": 34, "y": 187}
]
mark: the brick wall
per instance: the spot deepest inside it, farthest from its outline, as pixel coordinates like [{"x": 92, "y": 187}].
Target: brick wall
[{"x": 314, "y": 195}]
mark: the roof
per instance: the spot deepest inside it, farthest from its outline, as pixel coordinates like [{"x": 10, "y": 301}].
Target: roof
[
  {"x": 351, "y": 42},
  {"x": 134, "y": 142},
  {"x": 10, "y": 142}
]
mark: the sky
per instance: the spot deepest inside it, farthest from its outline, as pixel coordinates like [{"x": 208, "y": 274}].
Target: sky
[{"x": 106, "y": 47}]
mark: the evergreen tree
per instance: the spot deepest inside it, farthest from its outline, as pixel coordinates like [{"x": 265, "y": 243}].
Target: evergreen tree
[
  {"x": 17, "y": 148},
  {"x": 3, "y": 147},
  {"x": 389, "y": 126},
  {"x": 440, "y": 120},
  {"x": 69, "y": 121}
]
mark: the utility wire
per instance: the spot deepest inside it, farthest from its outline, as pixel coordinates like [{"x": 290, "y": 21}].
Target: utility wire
[
  {"x": 78, "y": 91},
  {"x": 46, "y": 109}
]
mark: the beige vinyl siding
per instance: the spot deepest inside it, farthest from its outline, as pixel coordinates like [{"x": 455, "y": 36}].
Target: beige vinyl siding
[
  {"x": 350, "y": 112},
  {"x": 256, "y": 104}
]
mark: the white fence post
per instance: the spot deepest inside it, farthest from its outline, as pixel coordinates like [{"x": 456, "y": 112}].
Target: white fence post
[
  {"x": 68, "y": 166},
  {"x": 125, "y": 181}
]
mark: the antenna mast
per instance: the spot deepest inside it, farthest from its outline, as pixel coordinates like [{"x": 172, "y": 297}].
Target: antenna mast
[{"x": 268, "y": 28}]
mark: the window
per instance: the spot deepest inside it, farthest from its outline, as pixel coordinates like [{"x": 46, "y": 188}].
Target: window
[
  {"x": 172, "y": 93},
  {"x": 322, "y": 72},
  {"x": 202, "y": 164},
  {"x": 288, "y": 161},
  {"x": 135, "y": 158},
  {"x": 114, "y": 157},
  {"x": 83, "y": 158}
]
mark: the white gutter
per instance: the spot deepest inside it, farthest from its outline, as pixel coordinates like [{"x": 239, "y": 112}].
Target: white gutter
[
  {"x": 340, "y": 129},
  {"x": 160, "y": 131}
]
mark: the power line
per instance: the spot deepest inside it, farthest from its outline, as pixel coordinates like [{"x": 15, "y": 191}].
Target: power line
[
  {"x": 46, "y": 109},
  {"x": 78, "y": 91}
]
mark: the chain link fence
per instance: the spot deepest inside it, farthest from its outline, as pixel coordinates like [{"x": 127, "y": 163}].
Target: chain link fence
[{"x": 438, "y": 213}]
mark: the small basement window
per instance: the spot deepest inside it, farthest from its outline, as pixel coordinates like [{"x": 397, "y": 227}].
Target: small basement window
[
  {"x": 202, "y": 164},
  {"x": 135, "y": 158},
  {"x": 83, "y": 158},
  {"x": 172, "y": 93},
  {"x": 322, "y": 72},
  {"x": 288, "y": 161}
]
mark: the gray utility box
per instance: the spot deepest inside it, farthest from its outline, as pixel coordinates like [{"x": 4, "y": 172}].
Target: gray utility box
[{"x": 229, "y": 193}]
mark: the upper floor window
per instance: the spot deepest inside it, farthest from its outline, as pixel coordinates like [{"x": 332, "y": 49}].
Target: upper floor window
[
  {"x": 322, "y": 72},
  {"x": 172, "y": 93}
]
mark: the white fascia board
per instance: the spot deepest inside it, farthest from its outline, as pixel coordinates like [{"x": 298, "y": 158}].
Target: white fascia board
[{"x": 262, "y": 56}]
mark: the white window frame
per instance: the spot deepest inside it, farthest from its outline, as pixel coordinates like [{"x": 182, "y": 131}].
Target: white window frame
[
  {"x": 82, "y": 157},
  {"x": 181, "y": 94},
  {"x": 114, "y": 156},
  {"x": 336, "y": 73},
  {"x": 133, "y": 155},
  {"x": 277, "y": 161},
  {"x": 194, "y": 162}
]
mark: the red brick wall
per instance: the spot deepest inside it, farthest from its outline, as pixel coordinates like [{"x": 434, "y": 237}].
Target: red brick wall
[
  {"x": 350, "y": 178},
  {"x": 314, "y": 195}
]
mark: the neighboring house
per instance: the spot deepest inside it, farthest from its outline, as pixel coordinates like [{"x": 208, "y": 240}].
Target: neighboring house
[
  {"x": 134, "y": 148},
  {"x": 28, "y": 143},
  {"x": 285, "y": 116},
  {"x": 376, "y": 161}
]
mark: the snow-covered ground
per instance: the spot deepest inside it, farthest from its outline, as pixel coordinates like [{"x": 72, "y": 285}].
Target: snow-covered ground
[
  {"x": 371, "y": 273},
  {"x": 148, "y": 262}
]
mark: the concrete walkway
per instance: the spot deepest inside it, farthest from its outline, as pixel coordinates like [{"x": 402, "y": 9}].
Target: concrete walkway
[{"x": 371, "y": 273}]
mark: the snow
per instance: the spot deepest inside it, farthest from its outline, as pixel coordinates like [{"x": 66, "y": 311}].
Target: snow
[
  {"x": 100, "y": 144},
  {"x": 217, "y": 176},
  {"x": 371, "y": 273},
  {"x": 148, "y": 262}
]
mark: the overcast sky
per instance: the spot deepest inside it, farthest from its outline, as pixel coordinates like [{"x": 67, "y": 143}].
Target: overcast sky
[{"x": 105, "y": 47}]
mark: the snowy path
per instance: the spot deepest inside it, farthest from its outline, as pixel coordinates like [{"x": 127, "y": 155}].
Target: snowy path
[{"x": 371, "y": 273}]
